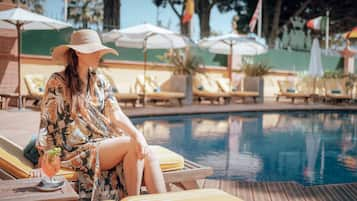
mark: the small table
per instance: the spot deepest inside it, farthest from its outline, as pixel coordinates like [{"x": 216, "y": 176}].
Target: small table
[{"x": 24, "y": 189}]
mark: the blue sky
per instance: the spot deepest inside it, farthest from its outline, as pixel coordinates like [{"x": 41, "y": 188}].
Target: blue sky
[{"x": 135, "y": 12}]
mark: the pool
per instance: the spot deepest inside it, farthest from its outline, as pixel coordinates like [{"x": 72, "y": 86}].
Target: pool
[{"x": 310, "y": 148}]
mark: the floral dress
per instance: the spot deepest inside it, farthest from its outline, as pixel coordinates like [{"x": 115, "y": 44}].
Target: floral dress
[{"x": 77, "y": 125}]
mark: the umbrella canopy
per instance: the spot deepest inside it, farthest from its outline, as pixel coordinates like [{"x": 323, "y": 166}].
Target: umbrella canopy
[
  {"x": 234, "y": 44},
  {"x": 20, "y": 19},
  {"x": 28, "y": 20},
  {"x": 145, "y": 36},
  {"x": 315, "y": 65}
]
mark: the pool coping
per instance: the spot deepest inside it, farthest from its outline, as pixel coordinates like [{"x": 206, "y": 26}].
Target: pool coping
[{"x": 232, "y": 108}]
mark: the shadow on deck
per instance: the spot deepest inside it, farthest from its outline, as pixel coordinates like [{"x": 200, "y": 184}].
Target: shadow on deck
[{"x": 284, "y": 191}]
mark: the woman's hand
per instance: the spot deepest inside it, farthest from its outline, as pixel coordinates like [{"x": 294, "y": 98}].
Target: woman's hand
[
  {"x": 142, "y": 147},
  {"x": 36, "y": 173}
]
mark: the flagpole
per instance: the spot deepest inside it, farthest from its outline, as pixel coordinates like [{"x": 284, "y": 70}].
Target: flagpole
[
  {"x": 327, "y": 30},
  {"x": 65, "y": 2},
  {"x": 260, "y": 18}
]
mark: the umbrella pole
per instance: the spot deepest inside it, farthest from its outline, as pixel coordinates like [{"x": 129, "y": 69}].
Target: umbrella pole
[
  {"x": 18, "y": 28},
  {"x": 230, "y": 63},
  {"x": 145, "y": 60}
]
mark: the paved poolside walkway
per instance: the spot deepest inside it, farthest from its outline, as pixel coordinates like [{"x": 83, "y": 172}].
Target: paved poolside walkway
[
  {"x": 219, "y": 108},
  {"x": 18, "y": 126}
]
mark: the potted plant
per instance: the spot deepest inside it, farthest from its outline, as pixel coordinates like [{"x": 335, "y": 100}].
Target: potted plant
[
  {"x": 185, "y": 63},
  {"x": 253, "y": 80}
]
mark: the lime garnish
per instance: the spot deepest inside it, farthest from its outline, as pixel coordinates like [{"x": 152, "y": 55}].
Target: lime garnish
[{"x": 56, "y": 151}]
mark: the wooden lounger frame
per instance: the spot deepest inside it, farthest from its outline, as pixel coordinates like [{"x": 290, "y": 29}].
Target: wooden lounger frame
[
  {"x": 127, "y": 98},
  {"x": 292, "y": 96},
  {"x": 212, "y": 97}
]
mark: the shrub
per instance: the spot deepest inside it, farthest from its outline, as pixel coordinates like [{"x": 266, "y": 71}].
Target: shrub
[
  {"x": 185, "y": 61},
  {"x": 256, "y": 70}
]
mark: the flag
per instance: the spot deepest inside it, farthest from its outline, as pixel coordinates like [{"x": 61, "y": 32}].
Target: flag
[
  {"x": 189, "y": 11},
  {"x": 351, "y": 34},
  {"x": 318, "y": 23},
  {"x": 255, "y": 16}
]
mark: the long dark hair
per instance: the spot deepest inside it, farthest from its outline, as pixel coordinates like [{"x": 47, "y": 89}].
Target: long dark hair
[{"x": 71, "y": 73}]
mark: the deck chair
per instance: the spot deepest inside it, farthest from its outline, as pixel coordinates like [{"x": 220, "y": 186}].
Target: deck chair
[
  {"x": 190, "y": 195},
  {"x": 335, "y": 90},
  {"x": 153, "y": 91},
  {"x": 120, "y": 96},
  {"x": 225, "y": 86},
  {"x": 207, "y": 89},
  {"x": 35, "y": 84},
  {"x": 288, "y": 89},
  {"x": 176, "y": 169}
]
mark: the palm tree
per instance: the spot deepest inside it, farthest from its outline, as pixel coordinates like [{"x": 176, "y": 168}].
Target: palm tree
[
  {"x": 86, "y": 13},
  {"x": 33, "y": 5},
  {"x": 111, "y": 14}
]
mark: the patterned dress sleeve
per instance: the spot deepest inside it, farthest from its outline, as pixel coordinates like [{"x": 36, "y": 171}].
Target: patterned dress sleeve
[
  {"x": 111, "y": 104},
  {"x": 51, "y": 107}
]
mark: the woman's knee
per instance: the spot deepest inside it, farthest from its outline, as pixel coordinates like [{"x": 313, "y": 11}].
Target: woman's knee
[
  {"x": 132, "y": 151},
  {"x": 151, "y": 157}
]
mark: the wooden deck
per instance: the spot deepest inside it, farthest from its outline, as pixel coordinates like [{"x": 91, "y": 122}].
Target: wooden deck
[{"x": 283, "y": 191}]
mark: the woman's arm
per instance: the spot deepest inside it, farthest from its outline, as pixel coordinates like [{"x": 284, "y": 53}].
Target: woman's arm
[{"x": 120, "y": 120}]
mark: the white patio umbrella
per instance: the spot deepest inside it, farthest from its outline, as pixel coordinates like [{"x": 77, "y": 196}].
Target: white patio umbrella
[
  {"x": 315, "y": 65},
  {"x": 146, "y": 36},
  {"x": 232, "y": 43},
  {"x": 22, "y": 19}
]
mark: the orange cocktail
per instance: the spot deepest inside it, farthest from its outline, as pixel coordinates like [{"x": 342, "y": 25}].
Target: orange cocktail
[{"x": 51, "y": 162}]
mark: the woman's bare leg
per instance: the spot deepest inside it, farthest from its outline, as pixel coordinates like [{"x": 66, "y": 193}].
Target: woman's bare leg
[
  {"x": 115, "y": 150},
  {"x": 153, "y": 178}
]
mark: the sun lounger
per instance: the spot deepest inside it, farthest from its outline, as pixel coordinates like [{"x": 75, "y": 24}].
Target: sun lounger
[
  {"x": 208, "y": 89},
  {"x": 6, "y": 98},
  {"x": 35, "y": 84},
  {"x": 190, "y": 195},
  {"x": 177, "y": 170},
  {"x": 224, "y": 85},
  {"x": 288, "y": 89},
  {"x": 121, "y": 97},
  {"x": 153, "y": 90},
  {"x": 335, "y": 89}
]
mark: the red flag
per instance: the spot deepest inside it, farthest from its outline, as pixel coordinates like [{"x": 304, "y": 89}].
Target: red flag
[
  {"x": 255, "y": 16},
  {"x": 189, "y": 10},
  {"x": 318, "y": 23}
]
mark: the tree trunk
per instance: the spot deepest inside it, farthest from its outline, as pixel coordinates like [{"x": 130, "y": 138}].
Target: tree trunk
[
  {"x": 185, "y": 29},
  {"x": 111, "y": 15},
  {"x": 275, "y": 25},
  {"x": 266, "y": 19},
  {"x": 85, "y": 24},
  {"x": 204, "y": 17},
  {"x": 297, "y": 13}
]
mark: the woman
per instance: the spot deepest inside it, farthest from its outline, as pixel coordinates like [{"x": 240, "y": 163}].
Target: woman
[{"x": 80, "y": 115}]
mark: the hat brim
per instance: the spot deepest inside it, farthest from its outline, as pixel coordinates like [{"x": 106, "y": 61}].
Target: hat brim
[{"x": 58, "y": 53}]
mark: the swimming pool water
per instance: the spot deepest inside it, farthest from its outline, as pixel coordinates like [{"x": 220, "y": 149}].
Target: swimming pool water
[{"x": 307, "y": 147}]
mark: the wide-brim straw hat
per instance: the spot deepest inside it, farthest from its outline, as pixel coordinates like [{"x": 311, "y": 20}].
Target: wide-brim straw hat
[{"x": 85, "y": 41}]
